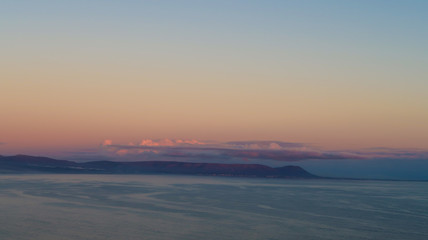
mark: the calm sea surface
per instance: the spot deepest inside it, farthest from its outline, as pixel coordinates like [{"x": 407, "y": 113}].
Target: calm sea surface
[{"x": 186, "y": 207}]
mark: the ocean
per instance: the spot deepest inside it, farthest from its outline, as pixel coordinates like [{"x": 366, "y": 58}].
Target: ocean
[{"x": 131, "y": 207}]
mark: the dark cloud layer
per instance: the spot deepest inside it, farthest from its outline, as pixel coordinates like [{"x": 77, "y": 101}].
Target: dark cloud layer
[
  {"x": 263, "y": 152},
  {"x": 243, "y": 150},
  {"x": 381, "y": 163}
]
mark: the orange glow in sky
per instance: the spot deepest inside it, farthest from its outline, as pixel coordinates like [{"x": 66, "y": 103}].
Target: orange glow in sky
[{"x": 289, "y": 72}]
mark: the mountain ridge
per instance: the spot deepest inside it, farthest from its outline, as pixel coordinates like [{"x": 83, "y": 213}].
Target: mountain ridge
[{"x": 38, "y": 164}]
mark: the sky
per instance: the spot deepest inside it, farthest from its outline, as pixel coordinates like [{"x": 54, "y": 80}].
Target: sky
[{"x": 329, "y": 76}]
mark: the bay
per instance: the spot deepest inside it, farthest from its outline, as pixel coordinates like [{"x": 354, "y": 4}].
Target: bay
[{"x": 44, "y": 206}]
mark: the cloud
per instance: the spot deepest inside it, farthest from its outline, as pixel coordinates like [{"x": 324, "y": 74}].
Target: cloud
[
  {"x": 243, "y": 150},
  {"x": 107, "y": 142},
  {"x": 169, "y": 142},
  {"x": 390, "y": 163},
  {"x": 393, "y": 153},
  {"x": 289, "y": 155},
  {"x": 87, "y": 155},
  {"x": 265, "y": 144}
]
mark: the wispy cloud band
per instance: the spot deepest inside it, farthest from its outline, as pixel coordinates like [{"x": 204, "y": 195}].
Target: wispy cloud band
[
  {"x": 263, "y": 152},
  {"x": 243, "y": 150}
]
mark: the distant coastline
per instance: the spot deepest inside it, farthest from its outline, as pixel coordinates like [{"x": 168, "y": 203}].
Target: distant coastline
[
  {"x": 25, "y": 164},
  {"x": 32, "y": 164}
]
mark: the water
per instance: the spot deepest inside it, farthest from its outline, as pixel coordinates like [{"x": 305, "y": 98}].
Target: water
[{"x": 188, "y": 207}]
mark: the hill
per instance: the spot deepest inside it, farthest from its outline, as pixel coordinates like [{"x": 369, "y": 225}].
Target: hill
[{"x": 31, "y": 164}]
